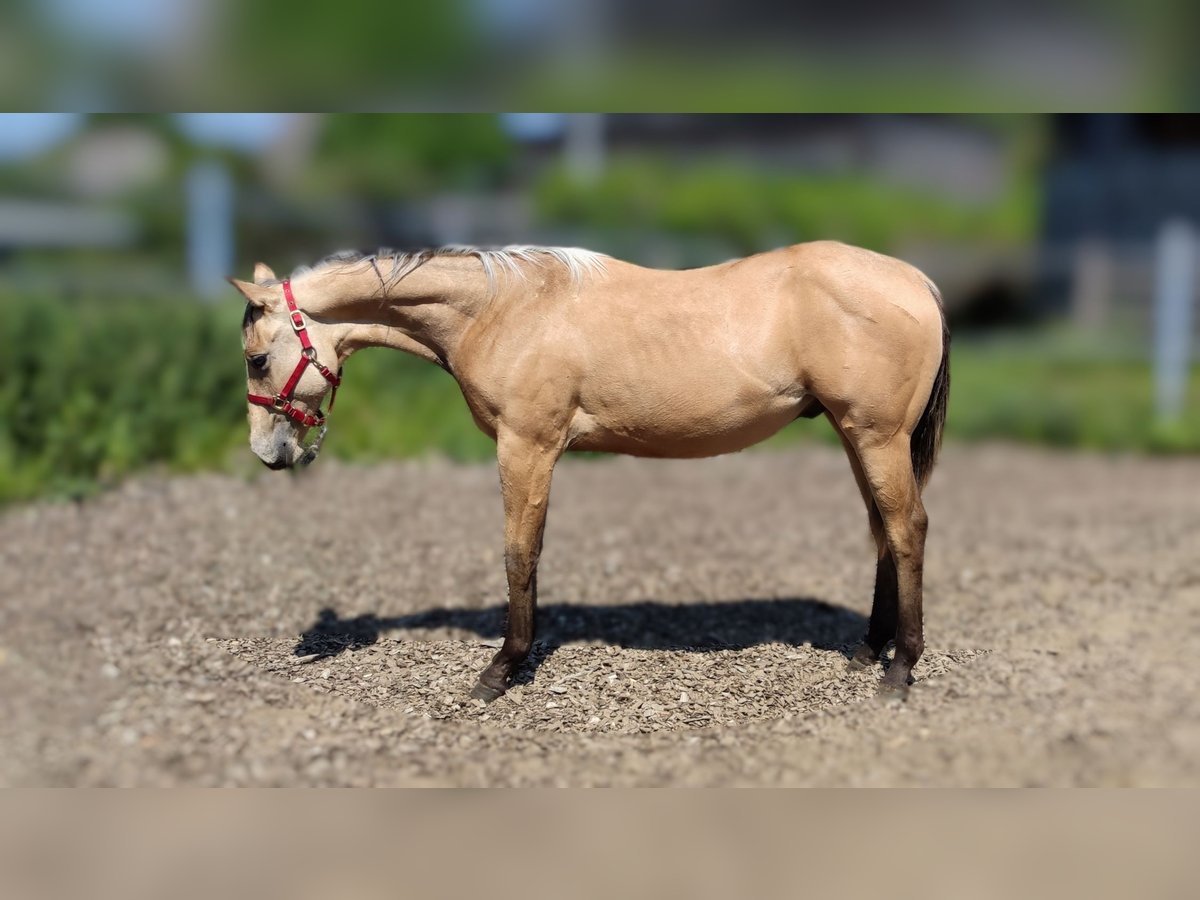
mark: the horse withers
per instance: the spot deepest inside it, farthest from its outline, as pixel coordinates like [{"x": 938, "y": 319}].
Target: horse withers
[{"x": 561, "y": 348}]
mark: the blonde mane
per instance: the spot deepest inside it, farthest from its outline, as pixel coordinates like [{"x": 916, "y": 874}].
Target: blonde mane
[{"x": 508, "y": 261}]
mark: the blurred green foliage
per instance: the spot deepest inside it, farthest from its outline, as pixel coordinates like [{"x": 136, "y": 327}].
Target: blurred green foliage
[
  {"x": 753, "y": 209},
  {"x": 93, "y": 390},
  {"x": 1046, "y": 389},
  {"x": 691, "y": 80},
  {"x": 353, "y": 52},
  {"x": 394, "y": 157}
]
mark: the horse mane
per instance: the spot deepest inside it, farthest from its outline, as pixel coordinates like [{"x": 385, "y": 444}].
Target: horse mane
[{"x": 495, "y": 261}]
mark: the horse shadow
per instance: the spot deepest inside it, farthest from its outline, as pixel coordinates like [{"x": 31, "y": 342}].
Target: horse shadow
[{"x": 640, "y": 625}]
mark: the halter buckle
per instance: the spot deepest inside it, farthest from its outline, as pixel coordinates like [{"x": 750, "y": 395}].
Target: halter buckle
[
  {"x": 278, "y": 403},
  {"x": 297, "y": 318}
]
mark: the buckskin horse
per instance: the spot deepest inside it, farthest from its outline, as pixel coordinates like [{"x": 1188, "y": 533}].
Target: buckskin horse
[{"x": 562, "y": 348}]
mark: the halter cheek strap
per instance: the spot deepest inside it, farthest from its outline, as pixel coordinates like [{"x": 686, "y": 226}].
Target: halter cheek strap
[{"x": 282, "y": 402}]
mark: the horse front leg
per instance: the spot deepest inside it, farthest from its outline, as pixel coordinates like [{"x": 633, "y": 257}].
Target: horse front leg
[{"x": 526, "y": 467}]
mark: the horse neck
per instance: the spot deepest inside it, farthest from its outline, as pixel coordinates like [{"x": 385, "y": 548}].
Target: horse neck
[{"x": 426, "y": 312}]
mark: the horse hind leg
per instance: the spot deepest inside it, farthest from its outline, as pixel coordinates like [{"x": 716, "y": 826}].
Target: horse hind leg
[
  {"x": 882, "y": 625},
  {"x": 889, "y": 472}
]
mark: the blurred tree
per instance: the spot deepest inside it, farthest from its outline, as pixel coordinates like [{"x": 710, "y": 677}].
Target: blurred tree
[
  {"x": 345, "y": 50},
  {"x": 390, "y": 157}
]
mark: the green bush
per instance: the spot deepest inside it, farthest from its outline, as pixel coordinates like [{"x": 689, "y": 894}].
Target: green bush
[{"x": 91, "y": 390}]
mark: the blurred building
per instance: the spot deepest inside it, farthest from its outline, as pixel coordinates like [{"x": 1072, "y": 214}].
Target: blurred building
[{"x": 37, "y": 224}]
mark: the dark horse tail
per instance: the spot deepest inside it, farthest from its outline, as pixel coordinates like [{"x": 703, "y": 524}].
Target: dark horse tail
[{"x": 927, "y": 436}]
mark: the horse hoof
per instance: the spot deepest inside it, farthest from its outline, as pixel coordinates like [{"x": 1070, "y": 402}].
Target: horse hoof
[
  {"x": 862, "y": 659},
  {"x": 485, "y": 693},
  {"x": 890, "y": 693}
]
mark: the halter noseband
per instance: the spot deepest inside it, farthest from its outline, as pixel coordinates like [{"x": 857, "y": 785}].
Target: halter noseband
[{"x": 282, "y": 402}]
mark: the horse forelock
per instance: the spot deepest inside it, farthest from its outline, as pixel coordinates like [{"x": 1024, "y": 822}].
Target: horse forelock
[{"x": 248, "y": 316}]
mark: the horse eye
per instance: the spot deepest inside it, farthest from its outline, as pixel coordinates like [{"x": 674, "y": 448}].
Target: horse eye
[{"x": 259, "y": 361}]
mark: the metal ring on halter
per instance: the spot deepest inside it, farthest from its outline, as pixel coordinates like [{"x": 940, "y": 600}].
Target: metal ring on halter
[{"x": 312, "y": 450}]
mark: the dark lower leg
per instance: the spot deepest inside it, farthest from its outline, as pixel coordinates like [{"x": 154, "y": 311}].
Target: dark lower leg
[
  {"x": 882, "y": 627},
  {"x": 525, "y": 471},
  {"x": 888, "y": 470},
  {"x": 910, "y": 640},
  {"x": 519, "y": 630}
]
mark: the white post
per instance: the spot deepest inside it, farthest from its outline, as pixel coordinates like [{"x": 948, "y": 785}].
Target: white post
[
  {"x": 583, "y": 145},
  {"x": 1173, "y": 297},
  {"x": 209, "y": 228}
]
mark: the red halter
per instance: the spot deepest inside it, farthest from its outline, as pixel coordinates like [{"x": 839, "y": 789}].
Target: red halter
[{"x": 282, "y": 402}]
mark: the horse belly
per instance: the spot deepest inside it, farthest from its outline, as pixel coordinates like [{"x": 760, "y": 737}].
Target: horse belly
[{"x": 672, "y": 425}]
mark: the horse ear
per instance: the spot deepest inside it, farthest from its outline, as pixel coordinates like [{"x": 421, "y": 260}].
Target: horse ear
[
  {"x": 263, "y": 272},
  {"x": 258, "y": 295}
]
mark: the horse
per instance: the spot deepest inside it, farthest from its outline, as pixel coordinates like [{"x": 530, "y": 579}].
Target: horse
[{"x": 557, "y": 349}]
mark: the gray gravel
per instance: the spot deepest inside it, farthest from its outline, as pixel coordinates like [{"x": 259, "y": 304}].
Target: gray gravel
[
  {"x": 214, "y": 630},
  {"x": 590, "y": 689}
]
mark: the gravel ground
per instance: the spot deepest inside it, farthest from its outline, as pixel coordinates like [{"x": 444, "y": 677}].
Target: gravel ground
[{"x": 695, "y": 618}]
